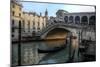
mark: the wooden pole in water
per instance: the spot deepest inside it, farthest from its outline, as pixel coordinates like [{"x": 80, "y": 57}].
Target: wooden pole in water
[
  {"x": 79, "y": 41},
  {"x": 69, "y": 42},
  {"x": 19, "y": 44}
]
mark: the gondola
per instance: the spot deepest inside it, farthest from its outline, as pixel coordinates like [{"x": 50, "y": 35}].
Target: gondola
[{"x": 52, "y": 50}]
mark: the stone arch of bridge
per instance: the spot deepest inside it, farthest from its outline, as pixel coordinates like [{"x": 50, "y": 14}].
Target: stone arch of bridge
[
  {"x": 62, "y": 27},
  {"x": 72, "y": 37}
]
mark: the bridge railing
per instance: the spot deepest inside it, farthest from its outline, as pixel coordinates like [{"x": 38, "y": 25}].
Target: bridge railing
[{"x": 81, "y": 26}]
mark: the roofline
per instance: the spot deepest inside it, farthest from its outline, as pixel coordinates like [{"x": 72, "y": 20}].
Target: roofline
[
  {"x": 16, "y": 2},
  {"x": 81, "y": 12}
]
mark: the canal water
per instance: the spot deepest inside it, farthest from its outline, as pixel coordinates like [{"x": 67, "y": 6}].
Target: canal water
[{"x": 31, "y": 56}]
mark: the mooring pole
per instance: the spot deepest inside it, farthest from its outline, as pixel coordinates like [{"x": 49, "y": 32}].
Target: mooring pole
[
  {"x": 19, "y": 44},
  {"x": 70, "y": 44},
  {"x": 79, "y": 42}
]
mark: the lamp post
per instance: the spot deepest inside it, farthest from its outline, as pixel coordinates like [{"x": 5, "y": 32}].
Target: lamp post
[{"x": 19, "y": 44}]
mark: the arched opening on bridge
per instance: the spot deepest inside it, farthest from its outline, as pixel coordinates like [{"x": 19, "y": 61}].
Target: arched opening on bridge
[
  {"x": 92, "y": 20},
  {"x": 60, "y": 38},
  {"x": 84, "y": 20},
  {"x": 77, "y": 20},
  {"x": 71, "y": 19},
  {"x": 57, "y": 33},
  {"x": 66, "y": 19}
]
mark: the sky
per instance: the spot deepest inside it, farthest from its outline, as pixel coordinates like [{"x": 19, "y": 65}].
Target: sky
[{"x": 53, "y": 8}]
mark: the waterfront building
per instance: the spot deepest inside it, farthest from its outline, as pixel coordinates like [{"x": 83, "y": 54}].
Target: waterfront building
[
  {"x": 31, "y": 22},
  {"x": 16, "y": 18}
]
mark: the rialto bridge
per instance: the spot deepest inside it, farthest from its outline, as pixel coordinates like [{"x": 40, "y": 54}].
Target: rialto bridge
[{"x": 80, "y": 25}]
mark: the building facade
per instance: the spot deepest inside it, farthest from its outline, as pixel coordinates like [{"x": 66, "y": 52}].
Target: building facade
[
  {"x": 31, "y": 22},
  {"x": 16, "y": 18}
]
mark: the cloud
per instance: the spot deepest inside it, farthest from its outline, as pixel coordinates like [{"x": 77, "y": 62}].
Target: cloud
[
  {"x": 52, "y": 8},
  {"x": 79, "y": 8}
]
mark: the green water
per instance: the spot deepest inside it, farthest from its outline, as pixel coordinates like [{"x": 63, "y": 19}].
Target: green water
[{"x": 30, "y": 54}]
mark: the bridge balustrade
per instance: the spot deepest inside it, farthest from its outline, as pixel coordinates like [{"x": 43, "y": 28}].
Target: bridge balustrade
[{"x": 81, "y": 26}]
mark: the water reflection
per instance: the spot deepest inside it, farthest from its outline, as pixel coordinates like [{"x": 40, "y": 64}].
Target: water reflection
[
  {"x": 30, "y": 54},
  {"x": 51, "y": 44}
]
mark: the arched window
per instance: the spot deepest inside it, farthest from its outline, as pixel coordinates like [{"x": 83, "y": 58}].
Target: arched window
[
  {"x": 13, "y": 22},
  {"x": 23, "y": 25},
  {"x": 43, "y": 25},
  {"x": 28, "y": 26},
  {"x": 84, "y": 20},
  {"x": 66, "y": 19},
  {"x": 92, "y": 20},
  {"x": 55, "y": 21},
  {"x": 77, "y": 19},
  {"x": 33, "y": 23},
  {"x": 71, "y": 19},
  {"x": 20, "y": 23},
  {"x": 38, "y": 24}
]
